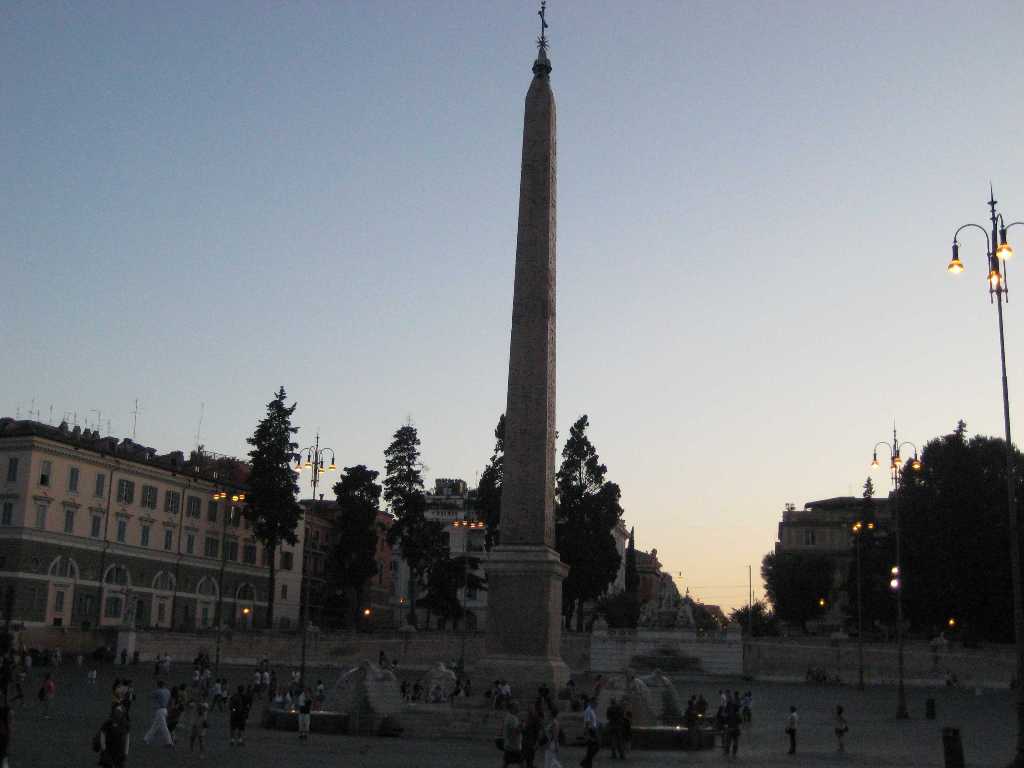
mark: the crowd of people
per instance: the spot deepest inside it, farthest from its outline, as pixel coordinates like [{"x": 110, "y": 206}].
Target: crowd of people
[
  {"x": 181, "y": 712},
  {"x": 529, "y": 737}
]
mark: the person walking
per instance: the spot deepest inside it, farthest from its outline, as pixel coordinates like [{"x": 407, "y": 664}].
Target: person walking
[
  {"x": 841, "y": 728},
  {"x": 305, "y": 706},
  {"x": 732, "y": 724},
  {"x": 115, "y": 740},
  {"x": 159, "y": 700},
  {"x": 791, "y": 725},
  {"x": 238, "y": 709},
  {"x": 532, "y": 732},
  {"x": 590, "y": 733},
  {"x": 199, "y": 727},
  {"x": 47, "y": 693},
  {"x": 615, "y": 718},
  {"x": 5, "y": 733},
  {"x": 552, "y": 733},
  {"x": 512, "y": 733}
]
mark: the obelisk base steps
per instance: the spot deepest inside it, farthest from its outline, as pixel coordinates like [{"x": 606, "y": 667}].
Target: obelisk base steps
[{"x": 524, "y": 627}]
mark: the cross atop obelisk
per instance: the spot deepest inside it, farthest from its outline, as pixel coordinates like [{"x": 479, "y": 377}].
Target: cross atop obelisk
[{"x": 525, "y": 573}]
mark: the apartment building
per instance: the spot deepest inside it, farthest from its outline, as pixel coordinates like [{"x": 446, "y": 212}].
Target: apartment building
[{"x": 101, "y": 532}]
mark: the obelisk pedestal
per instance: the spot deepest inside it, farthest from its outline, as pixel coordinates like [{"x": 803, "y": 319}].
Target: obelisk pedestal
[{"x": 525, "y": 573}]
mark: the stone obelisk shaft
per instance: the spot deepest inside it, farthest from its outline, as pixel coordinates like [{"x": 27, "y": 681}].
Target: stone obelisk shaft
[
  {"x": 527, "y": 500},
  {"x": 525, "y": 573}
]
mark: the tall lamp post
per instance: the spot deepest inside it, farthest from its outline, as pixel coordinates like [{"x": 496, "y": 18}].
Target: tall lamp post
[
  {"x": 315, "y": 458},
  {"x": 221, "y": 496},
  {"x": 998, "y": 251},
  {"x": 858, "y": 528},
  {"x": 895, "y": 465},
  {"x": 467, "y": 525}
]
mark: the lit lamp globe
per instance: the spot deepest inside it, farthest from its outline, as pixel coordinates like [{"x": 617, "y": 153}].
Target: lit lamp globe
[
  {"x": 955, "y": 265},
  {"x": 1004, "y": 250}
]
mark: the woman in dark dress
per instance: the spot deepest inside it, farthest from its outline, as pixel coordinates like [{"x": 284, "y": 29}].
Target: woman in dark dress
[{"x": 115, "y": 740}]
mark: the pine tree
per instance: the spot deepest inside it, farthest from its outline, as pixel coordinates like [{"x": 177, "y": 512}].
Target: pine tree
[
  {"x": 353, "y": 560},
  {"x": 588, "y": 510},
  {"x": 272, "y": 509},
  {"x": 489, "y": 488},
  {"x": 421, "y": 540}
]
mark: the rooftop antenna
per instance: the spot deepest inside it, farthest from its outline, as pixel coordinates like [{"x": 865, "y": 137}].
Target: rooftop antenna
[
  {"x": 50, "y": 422},
  {"x": 135, "y": 417},
  {"x": 99, "y": 417},
  {"x": 76, "y": 419},
  {"x": 199, "y": 429}
]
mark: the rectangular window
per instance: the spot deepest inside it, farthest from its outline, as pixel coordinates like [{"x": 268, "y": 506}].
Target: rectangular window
[
  {"x": 97, "y": 523},
  {"x": 101, "y": 484},
  {"x": 172, "y": 502},
  {"x": 122, "y": 530},
  {"x": 12, "y": 469},
  {"x": 211, "y": 511},
  {"x": 40, "y": 516},
  {"x": 69, "y": 521},
  {"x": 212, "y": 547},
  {"x": 284, "y": 591},
  {"x": 194, "y": 506},
  {"x": 148, "y": 499},
  {"x": 287, "y": 561},
  {"x": 73, "y": 480},
  {"x": 248, "y": 554},
  {"x": 204, "y": 619},
  {"x": 231, "y": 550},
  {"x": 161, "y": 612},
  {"x": 45, "y": 473},
  {"x": 8, "y": 514},
  {"x": 168, "y": 538},
  {"x": 125, "y": 491},
  {"x": 112, "y": 608},
  {"x": 144, "y": 536},
  {"x": 58, "y": 600},
  {"x": 236, "y": 516},
  {"x": 809, "y": 537},
  {"x": 190, "y": 543}
]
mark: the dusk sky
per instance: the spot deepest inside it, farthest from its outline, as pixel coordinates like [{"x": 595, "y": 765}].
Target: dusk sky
[{"x": 200, "y": 202}]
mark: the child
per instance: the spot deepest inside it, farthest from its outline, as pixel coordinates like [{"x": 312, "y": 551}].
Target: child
[{"x": 199, "y": 726}]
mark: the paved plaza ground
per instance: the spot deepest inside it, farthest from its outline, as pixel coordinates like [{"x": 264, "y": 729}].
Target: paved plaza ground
[{"x": 875, "y": 739}]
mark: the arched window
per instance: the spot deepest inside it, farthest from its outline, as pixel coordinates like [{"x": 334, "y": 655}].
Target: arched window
[
  {"x": 64, "y": 567},
  {"x": 116, "y": 574},
  {"x": 207, "y": 587},
  {"x": 164, "y": 582},
  {"x": 245, "y": 593}
]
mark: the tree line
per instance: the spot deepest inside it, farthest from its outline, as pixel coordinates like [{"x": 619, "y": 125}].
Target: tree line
[
  {"x": 587, "y": 511},
  {"x": 955, "y": 539}
]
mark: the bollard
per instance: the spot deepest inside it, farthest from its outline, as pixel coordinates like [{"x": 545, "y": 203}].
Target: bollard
[
  {"x": 929, "y": 709},
  {"x": 952, "y": 749}
]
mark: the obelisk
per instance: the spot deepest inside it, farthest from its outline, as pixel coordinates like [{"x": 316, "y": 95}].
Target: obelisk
[{"x": 525, "y": 573}]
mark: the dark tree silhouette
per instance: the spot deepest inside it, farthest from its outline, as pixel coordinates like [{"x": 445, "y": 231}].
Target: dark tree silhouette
[
  {"x": 588, "y": 510},
  {"x": 421, "y": 540},
  {"x": 353, "y": 558},
  {"x": 272, "y": 507},
  {"x": 488, "y": 499}
]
